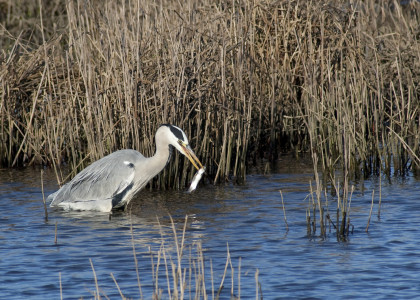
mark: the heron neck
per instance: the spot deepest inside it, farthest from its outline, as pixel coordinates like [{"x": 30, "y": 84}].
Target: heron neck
[{"x": 161, "y": 157}]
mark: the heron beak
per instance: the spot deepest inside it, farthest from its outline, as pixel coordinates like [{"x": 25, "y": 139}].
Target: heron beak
[{"x": 191, "y": 155}]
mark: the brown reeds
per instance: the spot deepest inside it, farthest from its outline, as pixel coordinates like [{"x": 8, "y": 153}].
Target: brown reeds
[
  {"x": 342, "y": 224},
  {"x": 246, "y": 80},
  {"x": 183, "y": 266}
]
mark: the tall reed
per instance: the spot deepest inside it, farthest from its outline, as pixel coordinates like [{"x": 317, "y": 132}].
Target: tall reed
[{"x": 245, "y": 79}]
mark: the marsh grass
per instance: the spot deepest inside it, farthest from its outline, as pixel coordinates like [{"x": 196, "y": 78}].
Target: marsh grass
[
  {"x": 316, "y": 206},
  {"x": 326, "y": 221},
  {"x": 179, "y": 270},
  {"x": 246, "y": 80}
]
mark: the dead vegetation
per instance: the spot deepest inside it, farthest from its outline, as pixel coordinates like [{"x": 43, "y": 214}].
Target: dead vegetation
[{"x": 246, "y": 80}]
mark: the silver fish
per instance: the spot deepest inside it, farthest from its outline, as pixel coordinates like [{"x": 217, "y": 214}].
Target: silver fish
[{"x": 196, "y": 179}]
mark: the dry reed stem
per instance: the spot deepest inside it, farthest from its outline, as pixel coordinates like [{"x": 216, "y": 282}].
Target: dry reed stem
[
  {"x": 284, "y": 212},
  {"x": 135, "y": 259},
  {"x": 239, "y": 278},
  {"x": 258, "y": 295},
  {"x": 370, "y": 213},
  {"x": 224, "y": 273},
  {"x": 98, "y": 295},
  {"x": 43, "y": 196},
  {"x": 61, "y": 287},
  {"x": 55, "y": 234},
  {"x": 380, "y": 197},
  {"x": 118, "y": 287}
]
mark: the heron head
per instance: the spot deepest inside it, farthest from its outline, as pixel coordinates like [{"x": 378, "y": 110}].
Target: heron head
[{"x": 179, "y": 140}]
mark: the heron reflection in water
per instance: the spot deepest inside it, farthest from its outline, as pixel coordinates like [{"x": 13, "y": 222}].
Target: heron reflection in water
[{"x": 111, "y": 182}]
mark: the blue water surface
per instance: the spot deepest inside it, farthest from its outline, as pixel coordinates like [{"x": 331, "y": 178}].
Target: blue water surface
[{"x": 240, "y": 229}]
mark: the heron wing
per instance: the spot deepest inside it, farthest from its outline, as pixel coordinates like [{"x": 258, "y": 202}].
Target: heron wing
[{"x": 107, "y": 179}]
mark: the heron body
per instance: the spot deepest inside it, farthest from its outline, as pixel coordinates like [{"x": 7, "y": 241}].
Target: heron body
[{"x": 114, "y": 180}]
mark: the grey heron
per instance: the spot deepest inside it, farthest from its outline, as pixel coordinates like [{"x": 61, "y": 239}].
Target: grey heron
[{"x": 112, "y": 181}]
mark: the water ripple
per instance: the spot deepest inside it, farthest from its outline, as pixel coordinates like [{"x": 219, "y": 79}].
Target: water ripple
[{"x": 244, "y": 221}]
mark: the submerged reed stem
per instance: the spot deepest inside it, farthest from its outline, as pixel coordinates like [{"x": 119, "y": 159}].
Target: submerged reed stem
[
  {"x": 380, "y": 198},
  {"x": 370, "y": 213},
  {"x": 43, "y": 196},
  {"x": 284, "y": 212},
  {"x": 55, "y": 234}
]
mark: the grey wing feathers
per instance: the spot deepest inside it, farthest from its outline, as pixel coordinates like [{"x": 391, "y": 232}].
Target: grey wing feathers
[{"x": 106, "y": 179}]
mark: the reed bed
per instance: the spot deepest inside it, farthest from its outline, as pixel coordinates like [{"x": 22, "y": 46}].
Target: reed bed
[{"x": 247, "y": 80}]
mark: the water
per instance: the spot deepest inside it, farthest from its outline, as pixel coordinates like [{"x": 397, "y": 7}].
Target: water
[{"x": 381, "y": 264}]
